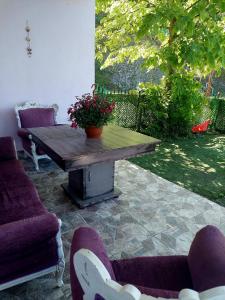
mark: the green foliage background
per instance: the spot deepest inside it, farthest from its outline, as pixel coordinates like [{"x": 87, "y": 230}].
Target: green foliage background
[{"x": 185, "y": 39}]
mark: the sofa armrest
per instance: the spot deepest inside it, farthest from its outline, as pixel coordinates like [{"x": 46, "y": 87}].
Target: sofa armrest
[
  {"x": 162, "y": 272},
  {"x": 19, "y": 235},
  {"x": 7, "y": 148},
  {"x": 23, "y": 133}
]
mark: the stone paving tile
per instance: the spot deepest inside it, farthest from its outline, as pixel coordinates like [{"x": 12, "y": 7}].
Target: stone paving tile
[
  {"x": 178, "y": 240},
  {"x": 152, "y": 217},
  {"x": 222, "y": 227}
]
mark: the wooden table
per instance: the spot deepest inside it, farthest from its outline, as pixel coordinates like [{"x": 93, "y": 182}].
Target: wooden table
[{"x": 91, "y": 162}]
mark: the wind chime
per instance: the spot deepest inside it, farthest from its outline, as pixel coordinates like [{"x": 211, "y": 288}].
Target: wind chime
[{"x": 28, "y": 39}]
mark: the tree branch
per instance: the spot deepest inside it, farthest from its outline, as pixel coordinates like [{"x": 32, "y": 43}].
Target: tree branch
[{"x": 193, "y": 4}]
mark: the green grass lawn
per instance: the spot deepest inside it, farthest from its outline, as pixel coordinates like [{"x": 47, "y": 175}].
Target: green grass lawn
[{"x": 198, "y": 164}]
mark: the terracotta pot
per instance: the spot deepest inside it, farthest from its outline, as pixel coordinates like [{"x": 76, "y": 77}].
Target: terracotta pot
[{"x": 93, "y": 132}]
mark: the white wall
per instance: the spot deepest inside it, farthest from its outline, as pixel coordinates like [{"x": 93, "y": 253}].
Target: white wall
[{"x": 62, "y": 63}]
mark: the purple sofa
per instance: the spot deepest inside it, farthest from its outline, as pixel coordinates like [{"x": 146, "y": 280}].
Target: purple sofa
[
  {"x": 29, "y": 234},
  {"x": 163, "y": 276}
]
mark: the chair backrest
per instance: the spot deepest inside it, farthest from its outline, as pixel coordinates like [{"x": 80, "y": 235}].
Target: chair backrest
[
  {"x": 88, "y": 238},
  {"x": 97, "y": 284},
  {"x": 206, "y": 259},
  {"x": 32, "y": 114}
]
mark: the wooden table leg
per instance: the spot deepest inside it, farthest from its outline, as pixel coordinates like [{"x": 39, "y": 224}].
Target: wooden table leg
[{"x": 92, "y": 184}]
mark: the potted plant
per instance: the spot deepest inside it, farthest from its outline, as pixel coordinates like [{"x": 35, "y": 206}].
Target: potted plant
[{"x": 91, "y": 112}]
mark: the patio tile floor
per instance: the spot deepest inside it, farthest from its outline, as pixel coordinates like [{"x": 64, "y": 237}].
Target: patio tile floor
[{"x": 152, "y": 217}]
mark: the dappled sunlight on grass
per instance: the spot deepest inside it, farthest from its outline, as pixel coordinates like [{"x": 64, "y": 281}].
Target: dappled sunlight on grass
[{"x": 198, "y": 164}]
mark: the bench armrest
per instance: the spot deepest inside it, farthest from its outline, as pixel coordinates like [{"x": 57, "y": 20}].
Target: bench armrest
[{"x": 27, "y": 233}]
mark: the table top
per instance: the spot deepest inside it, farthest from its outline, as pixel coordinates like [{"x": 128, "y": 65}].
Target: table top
[{"x": 71, "y": 149}]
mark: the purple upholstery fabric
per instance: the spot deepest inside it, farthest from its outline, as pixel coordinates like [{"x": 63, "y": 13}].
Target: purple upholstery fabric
[
  {"x": 27, "y": 146},
  {"x": 156, "y": 276},
  {"x": 162, "y": 272},
  {"x": 87, "y": 238},
  {"x": 34, "y": 117},
  {"x": 23, "y": 133},
  {"x": 204, "y": 268},
  {"x": 154, "y": 292},
  {"x": 30, "y": 260},
  {"x": 150, "y": 292},
  {"x": 26, "y": 234},
  {"x": 7, "y": 149},
  {"x": 27, "y": 230},
  {"x": 37, "y": 117},
  {"x": 207, "y": 259},
  {"x": 10, "y": 167},
  {"x": 18, "y": 196}
]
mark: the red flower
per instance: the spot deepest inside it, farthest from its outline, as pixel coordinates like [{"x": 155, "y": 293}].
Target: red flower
[
  {"x": 74, "y": 125},
  {"x": 90, "y": 110},
  {"x": 70, "y": 109}
]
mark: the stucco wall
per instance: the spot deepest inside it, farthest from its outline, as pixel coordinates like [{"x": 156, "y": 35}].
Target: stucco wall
[{"x": 62, "y": 63}]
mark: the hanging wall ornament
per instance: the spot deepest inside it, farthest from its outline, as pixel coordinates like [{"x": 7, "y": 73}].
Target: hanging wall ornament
[{"x": 28, "y": 39}]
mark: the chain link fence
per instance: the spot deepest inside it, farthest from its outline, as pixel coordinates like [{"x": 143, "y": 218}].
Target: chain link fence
[
  {"x": 126, "y": 112},
  {"x": 132, "y": 109},
  {"x": 217, "y": 107}
]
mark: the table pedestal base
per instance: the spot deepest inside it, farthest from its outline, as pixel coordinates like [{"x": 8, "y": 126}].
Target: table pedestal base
[
  {"x": 92, "y": 184},
  {"x": 82, "y": 203}
]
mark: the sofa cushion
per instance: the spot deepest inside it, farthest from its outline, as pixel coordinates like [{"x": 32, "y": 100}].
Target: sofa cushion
[
  {"x": 158, "y": 293},
  {"x": 7, "y": 148},
  {"x": 26, "y": 235},
  {"x": 158, "y": 272},
  {"x": 10, "y": 167},
  {"x": 18, "y": 198},
  {"x": 150, "y": 292},
  {"x": 206, "y": 259},
  {"x": 155, "y": 292},
  {"x": 37, "y": 117},
  {"x": 29, "y": 261}
]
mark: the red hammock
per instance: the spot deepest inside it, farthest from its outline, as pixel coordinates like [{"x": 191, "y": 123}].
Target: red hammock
[{"x": 203, "y": 127}]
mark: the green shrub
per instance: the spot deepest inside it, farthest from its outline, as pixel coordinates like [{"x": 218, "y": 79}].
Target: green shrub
[
  {"x": 166, "y": 110},
  {"x": 217, "y": 106},
  {"x": 172, "y": 112},
  {"x": 153, "y": 110},
  {"x": 186, "y": 105}
]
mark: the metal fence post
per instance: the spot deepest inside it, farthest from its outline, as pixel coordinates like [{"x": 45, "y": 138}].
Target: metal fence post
[{"x": 138, "y": 112}]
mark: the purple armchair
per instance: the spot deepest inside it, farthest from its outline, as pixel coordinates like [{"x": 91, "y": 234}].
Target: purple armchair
[
  {"x": 166, "y": 276},
  {"x": 29, "y": 115}
]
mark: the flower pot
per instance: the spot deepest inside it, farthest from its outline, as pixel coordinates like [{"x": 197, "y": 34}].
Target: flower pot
[{"x": 93, "y": 132}]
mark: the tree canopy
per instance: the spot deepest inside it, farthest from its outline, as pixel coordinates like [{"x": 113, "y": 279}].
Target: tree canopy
[
  {"x": 183, "y": 38},
  {"x": 174, "y": 35}
]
